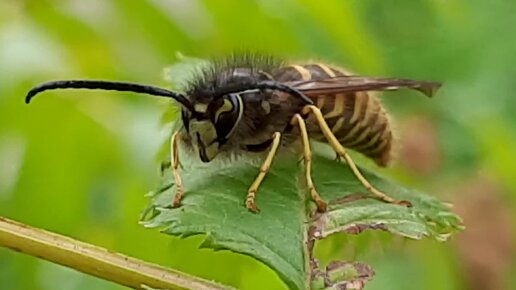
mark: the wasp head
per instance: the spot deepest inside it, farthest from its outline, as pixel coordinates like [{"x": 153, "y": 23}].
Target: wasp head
[{"x": 210, "y": 124}]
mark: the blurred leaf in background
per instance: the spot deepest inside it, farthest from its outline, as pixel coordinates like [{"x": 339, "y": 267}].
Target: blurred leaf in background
[{"x": 78, "y": 162}]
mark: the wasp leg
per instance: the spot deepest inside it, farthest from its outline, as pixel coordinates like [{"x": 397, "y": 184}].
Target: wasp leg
[
  {"x": 332, "y": 140},
  {"x": 251, "y": 193},
  {"x": 174, "y": 160},
  {"x": 307, "y": 154}
]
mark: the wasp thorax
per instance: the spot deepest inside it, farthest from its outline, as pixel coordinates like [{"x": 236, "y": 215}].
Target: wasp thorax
[{"x": 211, "y": 124}]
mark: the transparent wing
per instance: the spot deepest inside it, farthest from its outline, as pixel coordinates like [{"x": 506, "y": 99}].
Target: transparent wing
[{"x": 346, "y": 84}]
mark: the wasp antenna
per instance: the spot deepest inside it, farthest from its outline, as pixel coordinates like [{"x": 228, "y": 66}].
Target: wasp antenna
[{"x": 107, "y": 85}]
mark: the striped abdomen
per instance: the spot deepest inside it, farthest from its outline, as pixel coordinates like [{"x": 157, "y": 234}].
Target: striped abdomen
[{"x": 358, "y": 119}]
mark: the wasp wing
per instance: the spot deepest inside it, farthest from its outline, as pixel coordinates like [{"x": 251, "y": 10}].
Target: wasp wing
[{"x": 347, "y": 84}]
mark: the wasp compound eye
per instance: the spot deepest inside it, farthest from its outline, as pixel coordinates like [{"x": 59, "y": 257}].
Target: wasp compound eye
[{"x": 228, "y": 116}]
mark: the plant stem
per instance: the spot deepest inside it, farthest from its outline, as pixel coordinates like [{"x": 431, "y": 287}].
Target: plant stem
[{"x": 96, "y": 261}]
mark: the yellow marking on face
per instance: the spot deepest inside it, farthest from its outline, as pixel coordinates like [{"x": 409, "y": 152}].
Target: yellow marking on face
[
  {"x": 266, "y": 106},
  {"x": 207, "y": 134},
  {"x": 305, "y": 74},
  {"x": 327, "y": 70},
  {"x": 226, "y": 107},
  {"x": 212, "y": 150},
  {"x": 338, "y": 107},
  {"x": 204, "y": 128},
  {"x": 201, "y": 108}
]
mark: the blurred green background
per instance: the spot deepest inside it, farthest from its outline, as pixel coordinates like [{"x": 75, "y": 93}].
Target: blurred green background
[{"x": 79, "y": 163}]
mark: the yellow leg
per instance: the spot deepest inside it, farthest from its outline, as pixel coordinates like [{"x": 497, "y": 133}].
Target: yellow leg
[
  {"x": 251, "y": 193},
  {"x": 332, "y": 140},
  {"x": 174, "y": 161},
  {"x": 307, "y": 154}
]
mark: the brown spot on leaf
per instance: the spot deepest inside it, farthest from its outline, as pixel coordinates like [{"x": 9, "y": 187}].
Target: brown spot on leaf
[
  {"x": 319, "y": 231},
  {"x": 358, "y": 228},
  {"x": 338, "y": 274}
]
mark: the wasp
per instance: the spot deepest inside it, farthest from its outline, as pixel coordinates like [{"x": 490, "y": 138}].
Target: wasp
[{"x": 255, "y": 103}]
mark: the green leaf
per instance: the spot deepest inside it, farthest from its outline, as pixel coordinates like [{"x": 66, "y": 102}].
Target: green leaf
[
  {"x": 352, "y": 211},
  {"x": 283, "y": 233},
  {"x": 214, "y": 206}
]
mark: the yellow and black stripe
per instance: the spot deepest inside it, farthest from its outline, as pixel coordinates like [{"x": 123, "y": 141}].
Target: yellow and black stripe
[{"x": 358, "y": 119}]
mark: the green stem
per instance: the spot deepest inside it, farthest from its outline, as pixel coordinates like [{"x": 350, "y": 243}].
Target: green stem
[{"x": 96, "y": 261}]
